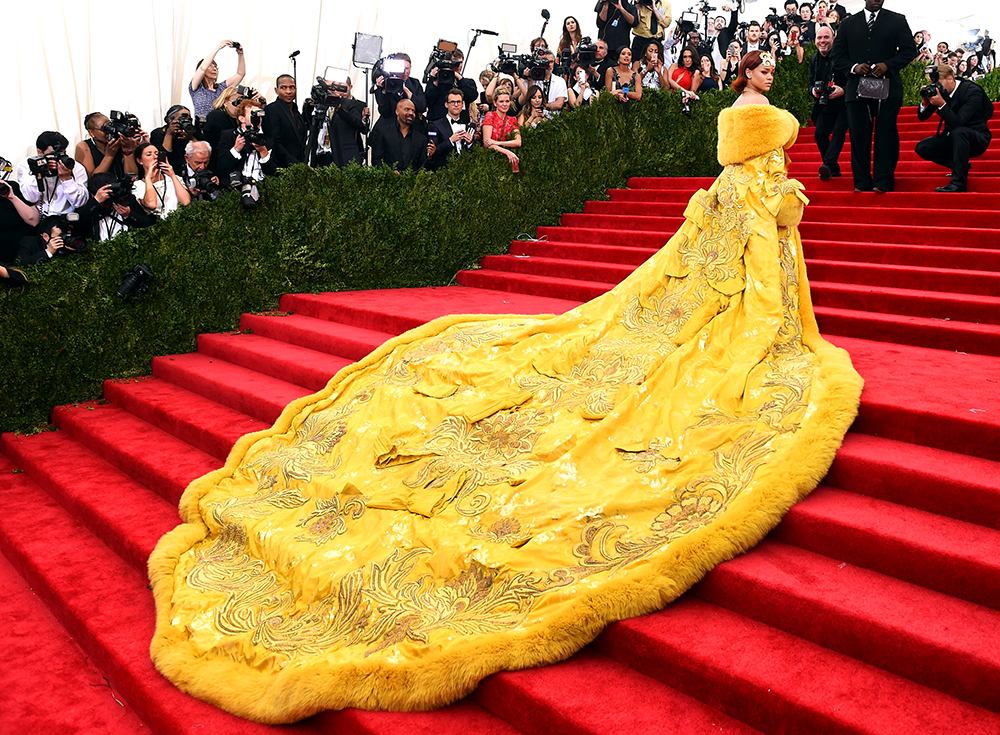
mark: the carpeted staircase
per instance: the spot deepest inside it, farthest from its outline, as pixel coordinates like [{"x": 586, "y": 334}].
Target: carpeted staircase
[{"x": 873, "y": 608}]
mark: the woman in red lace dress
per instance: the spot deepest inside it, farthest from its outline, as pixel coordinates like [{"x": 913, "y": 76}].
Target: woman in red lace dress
[{"x": 500, "y": 131}]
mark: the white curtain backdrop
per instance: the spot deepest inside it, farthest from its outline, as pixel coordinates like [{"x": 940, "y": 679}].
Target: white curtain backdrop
[{"x": 65, "y": 58}]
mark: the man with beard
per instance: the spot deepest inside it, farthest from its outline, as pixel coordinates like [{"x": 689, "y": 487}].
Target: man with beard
[{"x": 397, "y": 142}]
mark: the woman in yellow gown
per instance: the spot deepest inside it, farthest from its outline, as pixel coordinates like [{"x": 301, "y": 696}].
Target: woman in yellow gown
[{"x": 487, "y": 493}]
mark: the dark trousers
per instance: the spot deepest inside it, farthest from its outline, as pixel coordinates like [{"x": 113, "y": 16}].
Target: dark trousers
[
  {"x": 864, "y": 117},
  {"x": 953, "y": 150},
  {"x": 831, "y": 130}
]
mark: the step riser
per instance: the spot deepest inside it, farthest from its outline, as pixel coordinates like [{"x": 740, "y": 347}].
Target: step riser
[
  {"x": 923, "y": 304},
  {"x": 942, "y": 336},
  {"x": 908, "y": 255},
  {"x": 826, "y": 196}
]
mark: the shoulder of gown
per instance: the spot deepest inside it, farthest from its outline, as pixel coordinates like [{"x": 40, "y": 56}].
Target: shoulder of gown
[{"x": 752, "y": 130}]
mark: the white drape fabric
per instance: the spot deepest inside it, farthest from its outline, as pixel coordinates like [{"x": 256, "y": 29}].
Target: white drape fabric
[{"x": 64, "y": 58}]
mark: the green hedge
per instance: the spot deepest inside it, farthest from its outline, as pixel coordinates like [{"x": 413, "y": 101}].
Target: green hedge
[{"x": 331, "y": 229}]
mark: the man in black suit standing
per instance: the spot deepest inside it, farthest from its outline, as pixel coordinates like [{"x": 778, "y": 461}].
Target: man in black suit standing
[
  {"x": 397, "y": 142},
  {"x": 874, "y": 44},
  {"x": 963, "y": 131},
  {"x": 283, "y": 123},
  {"x": 451, "y": 134}
]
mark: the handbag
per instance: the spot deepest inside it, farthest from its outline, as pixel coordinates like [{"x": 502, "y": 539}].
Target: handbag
[{"x": 873, "y": 88}]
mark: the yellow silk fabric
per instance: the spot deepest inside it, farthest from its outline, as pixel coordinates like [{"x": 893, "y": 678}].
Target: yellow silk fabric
[{"x": 486, "y": 493}]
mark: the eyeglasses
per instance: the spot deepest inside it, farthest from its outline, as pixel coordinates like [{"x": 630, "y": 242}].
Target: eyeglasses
[{"x": 453, "y": 102}]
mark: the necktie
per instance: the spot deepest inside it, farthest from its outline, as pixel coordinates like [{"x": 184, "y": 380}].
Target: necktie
[{"x": 871, "y": 24}]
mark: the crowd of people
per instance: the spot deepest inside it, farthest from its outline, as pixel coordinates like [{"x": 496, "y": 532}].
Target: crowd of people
[{"x": 122, "y": 177}]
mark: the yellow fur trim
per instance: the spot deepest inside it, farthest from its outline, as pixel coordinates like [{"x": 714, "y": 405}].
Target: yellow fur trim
[{"x": 752, "y": 130}]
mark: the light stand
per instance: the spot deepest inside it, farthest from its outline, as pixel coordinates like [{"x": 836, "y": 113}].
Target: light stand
[{"x": 367, "y": 52}]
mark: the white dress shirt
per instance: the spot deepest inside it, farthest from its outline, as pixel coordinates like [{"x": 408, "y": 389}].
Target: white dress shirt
[{"x": 56, "y": 196}]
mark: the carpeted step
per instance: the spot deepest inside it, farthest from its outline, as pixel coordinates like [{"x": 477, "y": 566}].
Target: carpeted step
[
  {"x": 942, "y": 334},
  {"x": 580, "y": 270},
  {"x": 907, "y": 302},
  {"x": 904, "y": 183},
  {"x": 565, "y": 288},
  {"x": 935, "y": 398},
  {"x": 126, "y": 515},
  {"x": 903, "y": 168},
  {"x": 941, "y": 554},
  {"x": 282, "y": 360},
  {"x": 582, "y": 251},
  {"x": 398, "y": 310},
  {"x": 591, "y": 693},
  {"x": 242, "y": 389},
  {"x": 352, "y": 343},
  {"x": 808, "y": 152},
  {"x": 928, "y": 256},
  {"x": 609, "y": 235},
  {"x": 49, "y": 685},
  {"x": 202, "y": 423},
  {"x": 931, "y": 638},
  {"x": 846, "y": 201},
  {"x": 947, "y": 280},
  {"x": 780, "y": 683},
  {"x": 161, "y": 462},
  {"x": 933, "y": 480}
]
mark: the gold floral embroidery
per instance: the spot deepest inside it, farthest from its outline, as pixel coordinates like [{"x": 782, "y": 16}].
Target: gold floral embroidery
[
  {"x": 649, "y": 458},
  {"x": 315, "y": 440},
  {"x": 504, "y": 531},
  {"x": 329, "y": 520}
]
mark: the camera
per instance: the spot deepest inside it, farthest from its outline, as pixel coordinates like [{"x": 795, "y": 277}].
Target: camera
[
  {"x": 392, "y": 72},
  {"x": 442, "y": 58},
  {"x": 586, "y": 52},
  {"x": 5, "y": 189},
  {"x": 72, "y": 244},
  {"x": 236, "y": 46},
  {"x": 688, "y": 22},
  {"x": 39, "y": 165},
  {"x": 934, "y": 88},
  {"x": 537, "y": 65},
  {"x": 192, "y": 128},
  {"x": 121, "y": 190},
  {"x": 246, "y": 187},
  {"x": 136, "y": 281},
  {"x": 245, "y": 93},
  {"x": 202, "y": 180},
  {"x": 822, "y": 90},
  {"x": 253, "y": 134},
  {"x": 564, "y": 64},
  {"x": 121, "y": 125},
  {"x": 324, "y": 94}
]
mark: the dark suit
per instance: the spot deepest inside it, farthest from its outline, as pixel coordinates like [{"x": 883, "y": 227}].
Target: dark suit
[
  {"x": 890, "y": 43},
  {"x": 217, "y": 122},
  {"x": 437, "y": 95},
  {"x": 386, "y": 103},
  {"x": 284, "y": 125},
  {"x": 444, "y": 148},
  {"x": 830, "y": 119},
  {"x": 346, "y": 125},
  {"x": 390, "y": 147},
  {"x": 227, "y": 163},
  {"x": 963, "y": 130}
]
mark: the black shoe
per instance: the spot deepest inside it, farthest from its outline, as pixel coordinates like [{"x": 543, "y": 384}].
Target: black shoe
[
  {"x": 954, "y": 186},
  {"x": 824, "y": 173},
  {"x": 861, "y": 191},
  {"x": 835, "y": 173}
]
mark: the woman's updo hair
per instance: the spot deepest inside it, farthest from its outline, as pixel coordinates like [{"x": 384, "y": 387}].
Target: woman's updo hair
[{"x": 749, "y": 62}]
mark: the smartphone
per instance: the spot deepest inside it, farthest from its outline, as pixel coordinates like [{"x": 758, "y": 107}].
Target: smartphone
[{"x": 161, "y": 156}]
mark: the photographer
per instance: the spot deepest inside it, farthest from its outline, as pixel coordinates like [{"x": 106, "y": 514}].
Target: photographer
[
  {"x": 829, "y": 113},
  {"x": 615, "y": 21},
  {"x": 651, "y": 69},
  {"x": 724, "y": 35},
  {"x": 437, "y": 94},
  {"x": 582, "y": 92},
  {"x": 99, "y": 154},
  {"x": 18, "y": 219},
  {"x": 159, "y": 191},
  {"x": 451, "y": 134},
  {"x": 397, "y": 142},
  {"x": 112, "y": 208},
  {"x": 807, "y": 26},
  {"x": 963, "y": 133},
  {"x": 533, "y": 112},
  {"x": 220, "y": 119},
  {"x": 52, "y": 181},
  {"x": 340, "y": 141},
  {"x": 285, "y": 125},
  {"x": 603, "y": 62},
  {"x": 201, "y": 183},
  {"x": 411, "y": 90},
  {"x": 246, "y": 150},
  {"x": 654, "y": 17},
  {"x": 730, "y": 67},
  {"x": 205, "y": 86},
  {"x": 47, "y": 243},
  {"x": 173, "y": 136},
  {"x": 555, "y": 87}
]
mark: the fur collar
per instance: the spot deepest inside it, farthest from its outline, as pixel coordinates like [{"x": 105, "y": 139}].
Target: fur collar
[{"x": 752, "y": 130}]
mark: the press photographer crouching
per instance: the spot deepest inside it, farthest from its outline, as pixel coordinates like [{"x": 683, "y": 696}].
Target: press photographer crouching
[
  {"x": 112, "y": 207},
  {"x": 18, "y": 220},
  {"x": 829, "y": 113},
  {"x": 201, "y": 183},
  {"x": 178, "y": 129},
  {"x": 963, "y": 131},
  {"x": 244, "y": 157},
  {"x": 54, "y": 238},
  {"x": 52, "y": 181}
]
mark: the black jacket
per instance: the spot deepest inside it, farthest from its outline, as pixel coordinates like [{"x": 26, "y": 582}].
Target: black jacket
[
  {"x": 227, "y": 163},
  {"x": 389, "y": 147},
  {"x": 216, "y": 123},
  {"x": 285, "y": 126},
  {"x": 616, "y": 31},
  {"x": 890, "y": 43},
  {"x": 969, "y": 107},
  {"x": 175, "y": 156},
  {"x": 437, "y": 95},
  {"x": 443, "y": 147},
  {"x": 386, "y": 103},
  {"x": 92, "y": 213},
  {"x": 821, "y": 69}
]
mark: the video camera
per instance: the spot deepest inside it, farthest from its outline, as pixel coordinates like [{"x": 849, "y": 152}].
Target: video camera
[
  {"x": 934, "y": 88},
  {"x": 253, "y": 134},
  {"x": 443, "y": 59},
  {"x": 508, "y": 62},
  {"x": 537, "y": 65},
  {"x": 564, "y": 64},
  {"x": 392, "y": 72},
  {"x": 586, "y": 52},
  {"x": 324, "y": 94},
  {"x": 39, "y": 165},
  {"x": 121, "y": 125}
]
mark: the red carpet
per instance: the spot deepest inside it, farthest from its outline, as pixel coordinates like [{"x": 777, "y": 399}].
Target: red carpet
[{"x": 873, "y": 608}]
